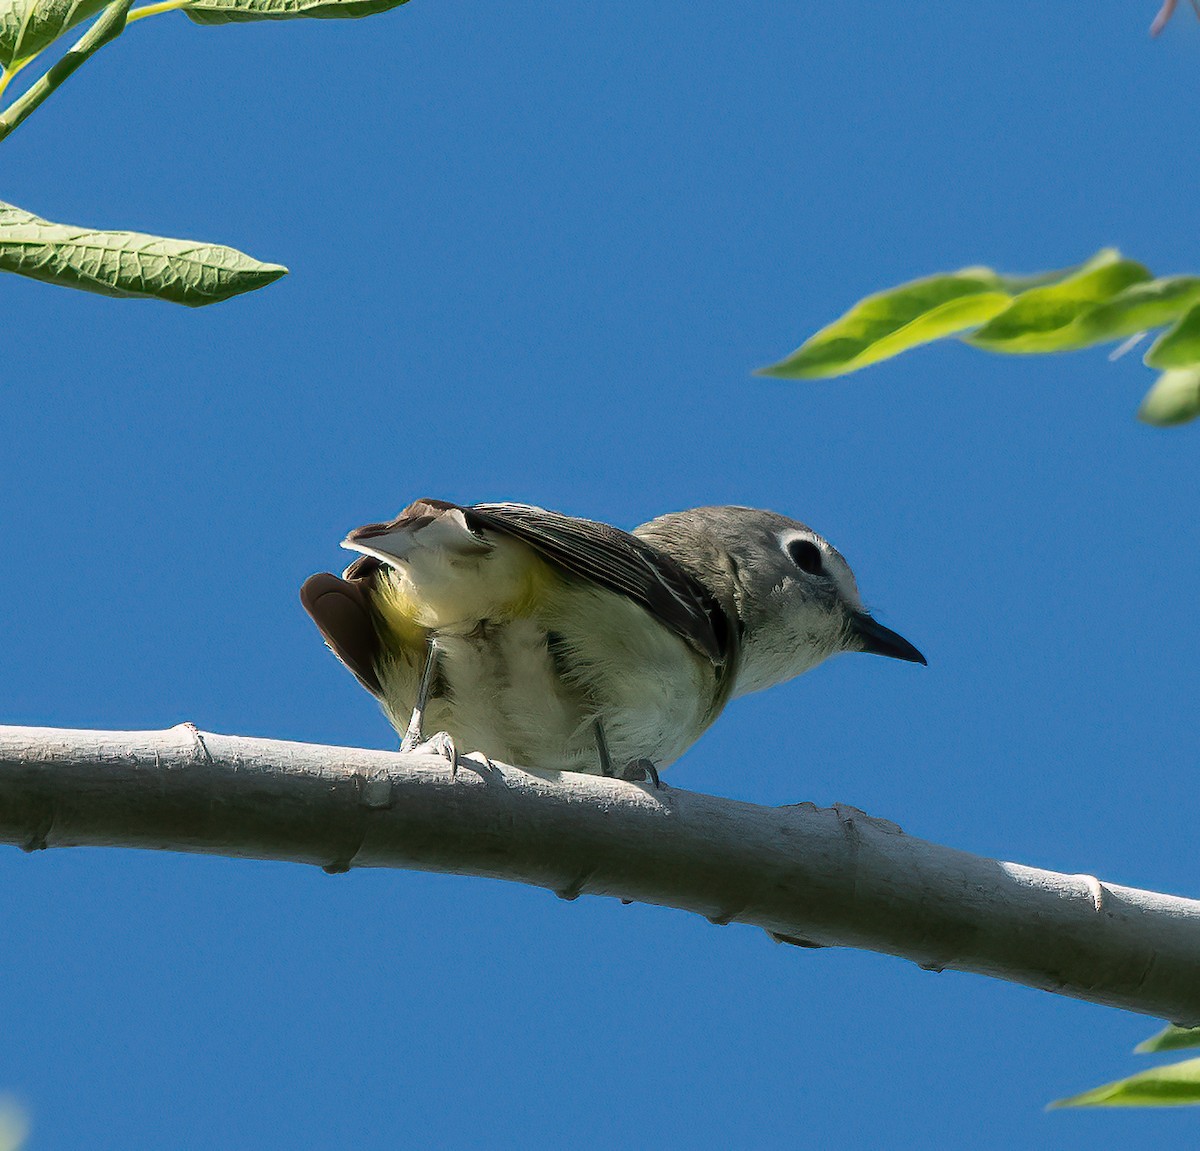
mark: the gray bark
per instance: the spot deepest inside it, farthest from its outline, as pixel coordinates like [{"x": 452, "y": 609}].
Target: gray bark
[{"x": 809, "y": 876}]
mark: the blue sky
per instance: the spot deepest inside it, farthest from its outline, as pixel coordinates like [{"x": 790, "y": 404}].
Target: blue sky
[{"x": 536, "y": 250}]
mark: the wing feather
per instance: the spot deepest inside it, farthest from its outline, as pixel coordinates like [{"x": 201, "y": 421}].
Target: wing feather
[{"x": 618, "y": 561}]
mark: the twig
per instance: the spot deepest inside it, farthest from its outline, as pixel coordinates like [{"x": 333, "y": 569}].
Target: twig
[
  {"x": 810, "y": 876},
  {"x": 108, "y": 27}
]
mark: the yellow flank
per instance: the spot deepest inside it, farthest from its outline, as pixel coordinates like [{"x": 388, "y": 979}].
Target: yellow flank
[
  {"x": 539, "y": 584},
  {"x": 398, "y": 616},
  {"x": 509, "y": 693},
  {"x": 452, "y": 594}
]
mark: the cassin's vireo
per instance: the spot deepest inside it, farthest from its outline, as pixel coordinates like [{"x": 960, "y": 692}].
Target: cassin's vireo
[{"x": 553, "y": 642}]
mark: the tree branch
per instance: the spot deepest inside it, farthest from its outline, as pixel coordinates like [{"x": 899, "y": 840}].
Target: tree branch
[{"x": 810, "y": 876}]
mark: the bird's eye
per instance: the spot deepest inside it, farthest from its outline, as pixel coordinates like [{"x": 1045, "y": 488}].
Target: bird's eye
[{"x": 805, "y": 555}]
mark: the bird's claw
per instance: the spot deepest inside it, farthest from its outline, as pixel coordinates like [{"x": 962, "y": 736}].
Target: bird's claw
[
  {"x": 440, "y": 743},
  {"x": 639, "y": 770}
]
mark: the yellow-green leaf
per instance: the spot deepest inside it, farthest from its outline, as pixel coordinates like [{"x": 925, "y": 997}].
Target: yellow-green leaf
[
  {"x": 1045, "y": 319},
  {"x": 14, "y": 1124},
  {"x": 28, "y": 26},
  {"x": 1139, "y": 308},
  {"x": 1174, "y": 1085},
  {"x": 1174, "y": 399},
  {"x": 235, "y": 11},
  {"x": 1019, "y": 284},
  {"x": 1171, "y": 1038},
  {"x": 126, "y": 263},
  {"x": 1177, "y": 347},
  {"x": 1105, "y": 299},
  {"x": 887, "y": 323}
]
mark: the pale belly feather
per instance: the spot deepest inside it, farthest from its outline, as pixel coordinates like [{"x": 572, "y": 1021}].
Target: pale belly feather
[{"x": 528, "y": 690}]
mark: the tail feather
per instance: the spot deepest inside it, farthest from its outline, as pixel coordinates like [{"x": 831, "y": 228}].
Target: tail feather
[{"x": 340, "y": 608}]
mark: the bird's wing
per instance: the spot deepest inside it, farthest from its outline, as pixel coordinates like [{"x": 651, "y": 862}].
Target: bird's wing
[
  {"x": 592, "y": 551},
  {"x": 616, "y": 560}
]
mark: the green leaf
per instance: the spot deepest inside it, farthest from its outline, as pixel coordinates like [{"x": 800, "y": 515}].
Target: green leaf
[
  {"x": 1173, "y": 1085},
  {"x": 1177, "y": 347},
  {"x": 1139, "y": 308},
  {"x": 14, "y": 1124},
  {"x": 28, "y": 26},
  {"x": 103, "y": 31},
  {"x": 232, "y": 11},
  {"x": 1105, "y": 299},
  {"x": 1044, "y": 319},
  {"x": 126, "y": 263},
  {"x": 1171, "y": 1039},
  {"x": 887, "y": 323},
  {"x": 1019, "y": 284},
  {"x": 1174, "y": 399}
]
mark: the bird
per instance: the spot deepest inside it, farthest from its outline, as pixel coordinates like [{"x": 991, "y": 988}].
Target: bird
[{"x": 559, "y": 643}]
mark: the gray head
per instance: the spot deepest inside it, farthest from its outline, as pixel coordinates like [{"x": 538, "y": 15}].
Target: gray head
[{"x": 794, "y": 596}]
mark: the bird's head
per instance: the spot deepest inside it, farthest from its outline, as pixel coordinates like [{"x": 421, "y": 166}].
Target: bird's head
[{"x": 795, "y": 597}]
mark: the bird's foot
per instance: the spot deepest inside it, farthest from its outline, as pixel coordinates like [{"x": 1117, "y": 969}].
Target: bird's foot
[
  {"x": 639, "y": 770},
  {"x": 440, "y": 743}
]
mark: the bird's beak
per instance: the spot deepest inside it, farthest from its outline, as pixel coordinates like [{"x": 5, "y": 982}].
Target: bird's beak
[{"x": 880, "y": 640}]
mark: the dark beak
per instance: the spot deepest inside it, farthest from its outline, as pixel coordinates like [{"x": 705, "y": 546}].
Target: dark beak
[{"x": 880, "y": 640}]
